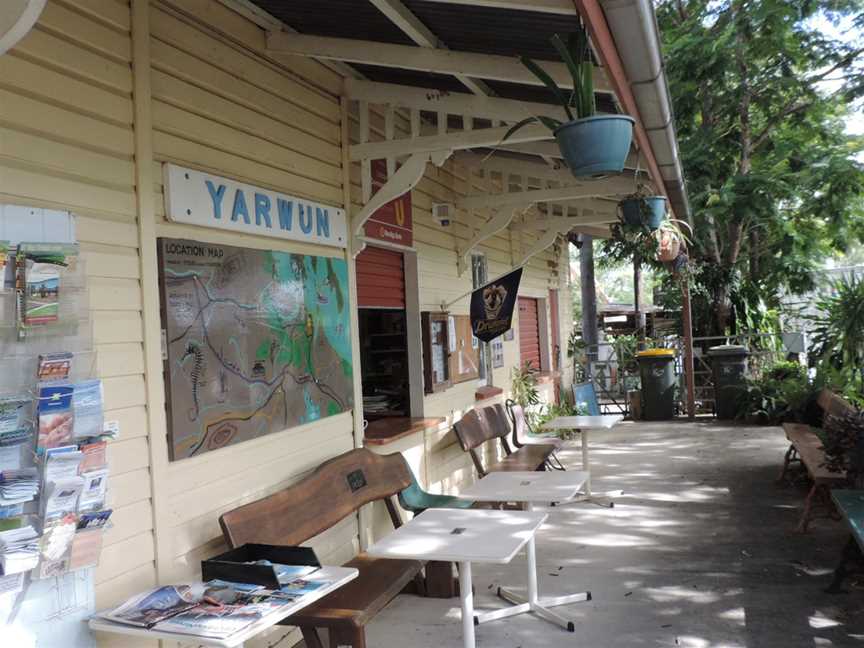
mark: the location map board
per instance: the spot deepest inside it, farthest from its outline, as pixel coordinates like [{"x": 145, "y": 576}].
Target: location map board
[{"x": 257, "y": 341}]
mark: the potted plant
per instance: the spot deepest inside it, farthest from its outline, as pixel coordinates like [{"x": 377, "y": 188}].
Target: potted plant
[
  {"x": 641, "y": 208},
  {"x": 591, "y": 144},
  {"x": 669, "y": 238}
]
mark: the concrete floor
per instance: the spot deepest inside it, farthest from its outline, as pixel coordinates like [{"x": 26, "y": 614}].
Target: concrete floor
[{"x": 699, "y": 552}]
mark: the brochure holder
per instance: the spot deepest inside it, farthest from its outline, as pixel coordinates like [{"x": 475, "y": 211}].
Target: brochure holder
[{"x": 238, "y": 565}]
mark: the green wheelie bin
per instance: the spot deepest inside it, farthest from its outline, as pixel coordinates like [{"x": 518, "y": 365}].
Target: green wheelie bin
[
  {"x": 657, "y": 371},
  {"x": 729, "y": 366}
]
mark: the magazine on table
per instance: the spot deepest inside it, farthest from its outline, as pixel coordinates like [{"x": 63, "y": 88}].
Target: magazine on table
[{"x": 216, "y": 609}]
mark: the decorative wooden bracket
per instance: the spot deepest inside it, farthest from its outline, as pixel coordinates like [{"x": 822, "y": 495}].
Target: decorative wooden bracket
[
  {"x": 404, "y": 180},
  {"x": 500, "y": 220},
  {"x": 547, "y": 238}
]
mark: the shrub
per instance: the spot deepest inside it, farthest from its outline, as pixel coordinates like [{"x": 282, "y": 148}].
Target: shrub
[{"x": 783, "y": 393}]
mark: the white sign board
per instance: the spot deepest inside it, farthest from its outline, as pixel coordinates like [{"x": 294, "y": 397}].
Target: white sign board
[{"x": 197, "y": 198}]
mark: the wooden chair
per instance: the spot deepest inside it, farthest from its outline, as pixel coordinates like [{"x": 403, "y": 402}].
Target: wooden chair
[
  {"x": 335, "y": 490},
  {"x": 584, "y": 395},
  {"x": 523, "y": 434},
  {"x": 473, "y": 431}
]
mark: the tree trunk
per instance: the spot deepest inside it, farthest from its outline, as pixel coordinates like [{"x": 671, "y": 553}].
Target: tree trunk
[
  {"x": 639, "y": 320},
  {"x": 589, "y": 296}
]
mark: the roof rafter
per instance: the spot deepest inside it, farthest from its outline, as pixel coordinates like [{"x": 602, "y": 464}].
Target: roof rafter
[
  {"x": 597, "y": 189},
  {"x": 413, "y": 27},
  {"x": 558, "y": 7},
  {"x": 424, "y": 59}
]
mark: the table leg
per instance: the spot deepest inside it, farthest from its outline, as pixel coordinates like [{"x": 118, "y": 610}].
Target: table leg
[
  {"x": 584, "y": 436},
  {"x": 467, "y": 596},
  {"x": 535, "y": 604}
]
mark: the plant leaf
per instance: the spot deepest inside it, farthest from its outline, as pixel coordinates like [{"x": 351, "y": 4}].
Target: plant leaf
[
  {"x": 572, "y": 65},
  {"x": 520, "y": 124},
  {"x": 547, "y": 80},
  {"x": 549, "y": 122}
]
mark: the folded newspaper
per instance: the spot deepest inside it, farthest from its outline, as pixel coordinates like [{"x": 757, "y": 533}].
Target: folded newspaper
[{"x": 217, "y": 609}]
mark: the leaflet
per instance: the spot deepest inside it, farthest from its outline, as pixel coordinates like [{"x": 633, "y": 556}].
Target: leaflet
[
  {"x": 61, "y": 497},
  {"x": 94, "y": 489},
  {"x": 55, "y": 415},
  {"x": 87, "y": 409}
]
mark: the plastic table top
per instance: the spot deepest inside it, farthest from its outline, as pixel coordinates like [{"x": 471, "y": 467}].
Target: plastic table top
[{"x": 461, "y": 535}]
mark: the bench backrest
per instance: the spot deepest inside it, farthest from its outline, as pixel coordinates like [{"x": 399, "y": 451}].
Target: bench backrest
[
  {"x": 335, "y": 489},
  {"x": 473, "y": 431},
  {"x": 584, "y": 395},
  {"x": 497, "y": 419},
  {"x": 832, "y": 404},
  {"x": 521, "y": 429}
]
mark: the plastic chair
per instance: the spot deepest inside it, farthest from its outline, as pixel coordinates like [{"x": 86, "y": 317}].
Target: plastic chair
[
  {"x": 416, "y": 500},
  {"x": 585, "y": 396},
  {"x": 523, "y": 434}
]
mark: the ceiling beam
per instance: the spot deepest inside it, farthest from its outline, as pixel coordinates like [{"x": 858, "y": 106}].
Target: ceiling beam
[
  {"x": 409, "y": 57},
  {"x": 413, "y": 27},
  {"x": 454, "y": 103},
  {"x": 459, "y": 141},
  {"x": 596, "y": 189},
  {"x": 557, "y": 7}
]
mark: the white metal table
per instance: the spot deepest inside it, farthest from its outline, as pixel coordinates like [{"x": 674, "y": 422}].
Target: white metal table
[
  {"x": 463, "y": 536},
  {"x": 530, "y": 488},
  {"x": 337, "y": 576},
  {"x": 583, "y": 425}
]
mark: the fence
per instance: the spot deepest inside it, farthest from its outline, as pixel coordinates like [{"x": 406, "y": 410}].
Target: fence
[{"x": 613, "y": 378}]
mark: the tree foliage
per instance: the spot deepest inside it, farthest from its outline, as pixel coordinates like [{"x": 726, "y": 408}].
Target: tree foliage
[{"x": 761, "y": 95}]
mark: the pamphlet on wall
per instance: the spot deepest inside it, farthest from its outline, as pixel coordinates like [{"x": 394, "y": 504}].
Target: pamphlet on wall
[
  {"x": 94, "y": 489},
  {"x": 61, "y": 463},
  {"x": 95, "y": 456},
  {"x": 61, "y": 498},
  {"x": 87, "y": 409},
  {"x": 54, "y": 366},
  {"x": 41, "y": 293},
  {"x": 55, "y": 547},
  {"x": 19, "y": 550},
  {"x": 18, "y": 486},
  {"x": 56, "y": 419}
]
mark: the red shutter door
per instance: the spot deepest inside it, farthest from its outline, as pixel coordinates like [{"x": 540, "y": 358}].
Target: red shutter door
[
  {"x": 380, "y": 279},
  {"x": 529, "y": 333}
]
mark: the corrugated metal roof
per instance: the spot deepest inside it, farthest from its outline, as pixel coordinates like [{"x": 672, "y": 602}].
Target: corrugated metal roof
[
  {"x": 338, "y": 18},
  {"x": 490, "y": 30}
]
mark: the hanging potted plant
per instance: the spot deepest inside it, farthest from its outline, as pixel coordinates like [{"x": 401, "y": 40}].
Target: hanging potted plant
[
  {"x": 670, "y": 237},
  {"x": 591, "y": 144},
  {"x": 641, "y": 208}
]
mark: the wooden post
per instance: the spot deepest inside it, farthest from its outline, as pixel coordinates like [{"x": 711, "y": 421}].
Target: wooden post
[
  {"x": 637, "y": 296},
  {"x": 689, "y": 370},
  {"x": 589, "y": 296}
]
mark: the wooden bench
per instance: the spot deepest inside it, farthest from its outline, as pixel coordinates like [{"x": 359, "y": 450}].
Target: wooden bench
[
  {"x": 850, "y": 503},
  {"x": 477, "y": 427},
  {"x": 335, "y": 490},
  {"x": 805, "y": 448}
]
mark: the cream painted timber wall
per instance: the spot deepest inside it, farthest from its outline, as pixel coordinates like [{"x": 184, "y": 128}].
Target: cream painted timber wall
[
  {"x": 219, "y": 105},
  {"x": 66, "y": 142}
]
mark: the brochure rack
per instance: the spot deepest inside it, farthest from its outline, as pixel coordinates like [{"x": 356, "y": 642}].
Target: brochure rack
[{"x": 53, "y": 461}]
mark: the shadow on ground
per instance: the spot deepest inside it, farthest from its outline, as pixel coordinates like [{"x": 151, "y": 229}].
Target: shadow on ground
[{"x": 699, "y": 553}]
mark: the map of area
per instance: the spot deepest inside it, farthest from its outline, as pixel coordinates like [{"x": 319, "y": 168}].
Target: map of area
[{"x": 257, "y": 341}]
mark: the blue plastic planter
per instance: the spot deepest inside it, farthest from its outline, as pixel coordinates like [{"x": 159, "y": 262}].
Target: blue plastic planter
[
  {"x": 596, "y": 145},
  {"x": 631, "y": 211}
]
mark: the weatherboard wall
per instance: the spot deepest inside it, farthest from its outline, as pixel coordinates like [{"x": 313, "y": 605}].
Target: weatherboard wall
[
  {"x": 66, "y": 142},
  {"x": 220, "y": 106}
]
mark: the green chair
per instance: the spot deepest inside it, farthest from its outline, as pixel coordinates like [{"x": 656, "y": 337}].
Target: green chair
[{"x": 417, "y": 500}]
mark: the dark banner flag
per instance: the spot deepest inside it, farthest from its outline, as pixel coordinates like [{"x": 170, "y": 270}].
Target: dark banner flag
[{"x": 492, "y": 306}]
